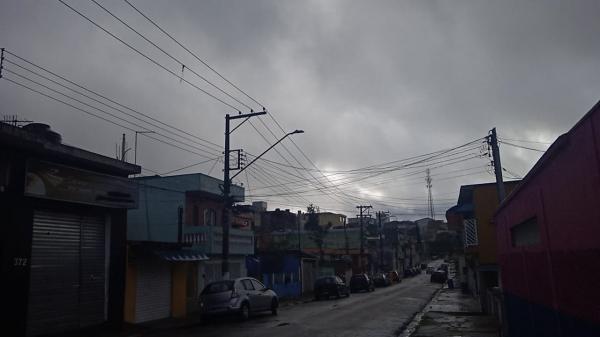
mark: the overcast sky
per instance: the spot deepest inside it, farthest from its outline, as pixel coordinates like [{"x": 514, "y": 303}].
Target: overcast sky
[{"x": 368, "y": 81}]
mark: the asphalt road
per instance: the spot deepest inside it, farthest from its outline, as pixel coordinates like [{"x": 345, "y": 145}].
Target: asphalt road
[{"x": 379, "y": 313}]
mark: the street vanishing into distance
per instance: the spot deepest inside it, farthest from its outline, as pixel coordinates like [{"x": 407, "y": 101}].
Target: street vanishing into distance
[
  {"x": 316, "y": 168},
  {"x": 380, "y": 313}
]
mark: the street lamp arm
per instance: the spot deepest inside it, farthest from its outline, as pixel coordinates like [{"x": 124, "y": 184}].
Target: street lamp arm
[{"x": 265, "y": 151}]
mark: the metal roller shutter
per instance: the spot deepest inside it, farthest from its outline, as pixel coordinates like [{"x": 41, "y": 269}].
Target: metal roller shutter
[
  {"x": 67, "y": 283},
  {"x": 153, "y": 292},
  {"x": 92, "y": 290}
]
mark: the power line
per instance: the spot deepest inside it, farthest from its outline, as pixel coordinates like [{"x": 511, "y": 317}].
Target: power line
[
  {"x": 522, "y": 147},
  {"x": 105, "y": 112},
  {"x": 170, "y": 56},
  {"x": 217, "y": 146},
  {"x": 216, "y": 72},
  {"x": 193, "y": 54},
  {"x": 149, "y": 58},
  {"x": 111, "y": 107},
  {"x": 98, "y": 116},
  {"x": 525, "y": 141},
  {"x": 191, "y": 165}
]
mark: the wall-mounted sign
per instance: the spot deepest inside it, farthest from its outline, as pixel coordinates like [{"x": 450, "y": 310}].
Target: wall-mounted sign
[{"x": 59, "y": 182}]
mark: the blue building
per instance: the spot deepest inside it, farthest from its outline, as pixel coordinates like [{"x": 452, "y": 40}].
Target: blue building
[
  {"x": 175, "y": 244},
  {"x": 289, "y": 273}
]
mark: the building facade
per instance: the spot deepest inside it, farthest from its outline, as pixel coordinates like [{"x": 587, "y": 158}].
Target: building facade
[
  {"x": 474, "y": 211},
  {"x": 63, "y": 232},
  {"x": 548, "y": 246},
  {"x": 175, "y": 244}
]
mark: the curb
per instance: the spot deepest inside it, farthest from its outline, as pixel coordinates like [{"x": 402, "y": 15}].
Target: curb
[{"x": 421, "y": 310}]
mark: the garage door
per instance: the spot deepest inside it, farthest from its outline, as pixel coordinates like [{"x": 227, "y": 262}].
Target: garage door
[
  {"x": 67, "y": 279},
  {"x": 153, "y": 291}
]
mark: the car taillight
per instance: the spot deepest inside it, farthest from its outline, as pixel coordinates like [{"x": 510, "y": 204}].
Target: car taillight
[{"x": 234, "y": 294}]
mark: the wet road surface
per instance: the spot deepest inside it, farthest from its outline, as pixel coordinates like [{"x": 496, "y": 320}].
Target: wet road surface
[{"x": 379, "y": 313}]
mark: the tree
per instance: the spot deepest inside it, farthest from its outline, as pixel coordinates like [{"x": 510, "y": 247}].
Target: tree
[
  {"x": 318, "y": 235},
  {"x": 312, "y": 223}
]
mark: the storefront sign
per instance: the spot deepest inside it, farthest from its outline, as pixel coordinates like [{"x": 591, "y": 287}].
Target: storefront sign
[{"x": 59, "y": 182}]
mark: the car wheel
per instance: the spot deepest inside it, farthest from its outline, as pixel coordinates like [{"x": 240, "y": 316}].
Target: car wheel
[
  {"x": 245, "y": 311},
  {"x": 274, "y": 307}
]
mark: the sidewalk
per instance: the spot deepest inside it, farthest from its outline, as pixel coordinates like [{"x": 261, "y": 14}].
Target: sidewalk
[
  {"x": 452, "y": 313},
  {"x": 158, "y": 326}
]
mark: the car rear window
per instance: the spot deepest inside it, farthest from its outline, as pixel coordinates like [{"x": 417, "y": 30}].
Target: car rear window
[
  {"x": 325, "y": 280},
  {"x": 247, "y": 284},
  {"x": 218, "y": 287}
]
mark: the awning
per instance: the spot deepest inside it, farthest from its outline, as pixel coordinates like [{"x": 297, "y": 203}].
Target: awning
[{"x": 182, "y": 256}]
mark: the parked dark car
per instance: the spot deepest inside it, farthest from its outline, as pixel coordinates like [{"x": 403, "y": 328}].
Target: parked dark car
[
  {"x": 361, "y": 282},
  {"x": 328, "y": 286},
  {"x": 243, "y": 296},
  {"x": 393, "y": 276},
  {"x": 380, "y": 280},
  {"x": 439, "y": 276}
]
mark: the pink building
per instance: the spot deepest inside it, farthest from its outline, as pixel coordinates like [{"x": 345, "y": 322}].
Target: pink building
[{"x": 548, "y": 232}]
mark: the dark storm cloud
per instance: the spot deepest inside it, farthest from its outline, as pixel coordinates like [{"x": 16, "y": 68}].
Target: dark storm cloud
[{"x": 368, "y": 81}]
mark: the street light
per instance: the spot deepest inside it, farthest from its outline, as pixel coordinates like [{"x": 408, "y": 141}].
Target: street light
[
  {"x": 227, "y": 182},
  {"x": 267, "y": 150}
]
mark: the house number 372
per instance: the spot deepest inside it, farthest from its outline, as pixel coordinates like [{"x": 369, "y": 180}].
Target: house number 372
[{"x": 20, "y": 261}]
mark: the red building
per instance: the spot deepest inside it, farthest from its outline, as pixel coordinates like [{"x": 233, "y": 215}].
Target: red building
[{"x": 548, "y": 232}]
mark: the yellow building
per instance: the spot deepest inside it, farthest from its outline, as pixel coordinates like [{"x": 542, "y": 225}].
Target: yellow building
[
  {"x": 473, "y": 214},
  {"x": 331, "y": 219}
]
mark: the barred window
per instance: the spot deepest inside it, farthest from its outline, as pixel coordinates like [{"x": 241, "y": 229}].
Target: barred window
[{"x": 470, "y": 232}]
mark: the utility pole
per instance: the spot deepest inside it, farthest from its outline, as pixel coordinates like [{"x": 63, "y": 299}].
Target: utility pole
[
  {"x": 362, "y": 234},
  {"x": 429, "y": 199},
  {"x": 379, "y": 216},
  {"x": 227, "y": 199},
  {"x": 124, "y": 148},
  {"x": 493, "y": 142},
  {"x": 346, "y": 237},
  {"x": 1, "y": 61},
  {"x": 298, "y": 221}
]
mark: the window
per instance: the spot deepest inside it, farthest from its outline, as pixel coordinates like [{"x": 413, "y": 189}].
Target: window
[
  {"x": 247, "y": 284},
  {"x": 258, "y": 285},
  {"x": 527, "y": 233},
  {"x": 210, "y": 217},
  {"x": 470, "y": 232}
]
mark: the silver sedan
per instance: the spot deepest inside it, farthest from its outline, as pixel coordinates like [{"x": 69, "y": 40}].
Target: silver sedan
[{"x": 243, "y": 296}]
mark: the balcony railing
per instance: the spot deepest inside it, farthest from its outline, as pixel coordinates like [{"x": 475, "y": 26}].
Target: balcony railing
[{"x": 209, "y": 240}]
